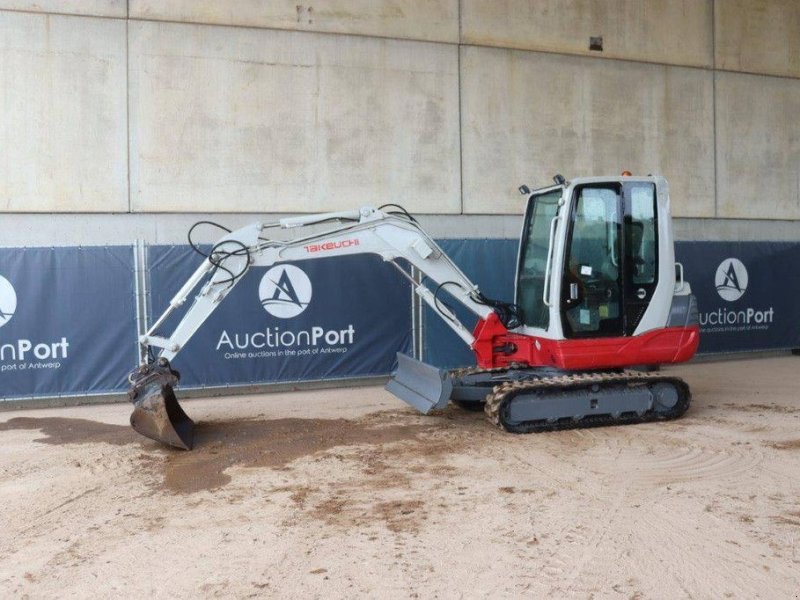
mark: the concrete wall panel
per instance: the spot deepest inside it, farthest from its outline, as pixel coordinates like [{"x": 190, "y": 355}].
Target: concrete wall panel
[
  {"x": 62, "y": 114},
  {"x": 674, "y": 32},
  {"x": 232, "y": 119},
  {"x": 758, "y": 146},
  {"x": 95, "y": 8},
  {"x": 527, "y": 116},
  {"x": 430, "y": 20},
  {"x": 758, "y": 36}
]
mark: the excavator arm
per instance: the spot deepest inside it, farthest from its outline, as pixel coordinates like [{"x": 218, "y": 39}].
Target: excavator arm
[
  {"x": 370, "y": 231},
  {"x": 392, "y": 236}
]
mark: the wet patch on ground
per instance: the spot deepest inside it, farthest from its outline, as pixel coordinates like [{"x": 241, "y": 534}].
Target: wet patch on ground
[
  {"x": 399, "y": 516},
  {"x": 358, "y": 503},
  {"x": 221, "y": 445},
  {"x": 377, "y": 486},
  {"x": 381, "y": 447},
  {"x": 383, "y": 451},
  {"x": 60, "y": 431}
]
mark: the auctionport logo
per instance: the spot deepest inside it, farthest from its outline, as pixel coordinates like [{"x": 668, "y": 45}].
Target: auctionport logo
[
  {"x": 285, "y": 291},
  {"x": 731, "y": 279},
  {"x": 19, "y": 355},
  {"x": 8, "y": 301}
]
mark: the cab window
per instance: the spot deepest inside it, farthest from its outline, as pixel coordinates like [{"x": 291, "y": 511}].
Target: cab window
[
  {"x": 533, "y": 259},
  {"x": 592, "y": 280},
  {"x": 643, "y": 247}
]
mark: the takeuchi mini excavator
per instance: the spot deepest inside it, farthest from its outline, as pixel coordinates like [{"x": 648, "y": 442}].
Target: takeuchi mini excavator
[{"x": 598, "y": 292}]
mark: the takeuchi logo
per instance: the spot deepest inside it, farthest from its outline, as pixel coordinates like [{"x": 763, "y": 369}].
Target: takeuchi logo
[
  {"x": 8, "y": 301},
  {"x": 731, "y": 279},
  {"x": 285, "y": 291}
]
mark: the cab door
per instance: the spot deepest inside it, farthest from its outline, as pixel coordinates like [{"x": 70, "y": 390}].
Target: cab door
[
  {"x": 593, "y": 277},
  {"x": 532, "y": 259},
  {"x": 611, "y": 259},
  {"x": 641, "y": 250}
]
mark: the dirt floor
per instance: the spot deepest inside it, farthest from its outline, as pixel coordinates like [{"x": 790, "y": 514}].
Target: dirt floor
[{"x": 344, "y": 493}]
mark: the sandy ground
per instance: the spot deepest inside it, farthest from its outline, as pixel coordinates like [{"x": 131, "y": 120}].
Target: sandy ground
[{"x": 345, "y": 493}]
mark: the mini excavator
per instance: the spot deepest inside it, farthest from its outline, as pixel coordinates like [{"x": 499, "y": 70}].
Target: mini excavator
[{"x": 598, "y": 296}]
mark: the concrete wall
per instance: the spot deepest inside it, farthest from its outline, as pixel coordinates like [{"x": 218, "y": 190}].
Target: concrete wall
[
  {"x": 63, "y": 116},
  {"x": 566, "y": 114},
  {"x": 446, "y": 106},
  {"x": 429, "y": 20},
  {"x": 758, "y": 36},
  {"x": 758, "y": 146},
  {"x": 244, "y": 120},
  {"x": 93, "y": 8},
  {"x": 677, "y": 32}
]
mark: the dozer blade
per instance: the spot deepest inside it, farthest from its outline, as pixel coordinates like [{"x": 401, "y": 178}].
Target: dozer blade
[
  {"x": 156, "y": 412},
  {"x": 422, "y": 386}
]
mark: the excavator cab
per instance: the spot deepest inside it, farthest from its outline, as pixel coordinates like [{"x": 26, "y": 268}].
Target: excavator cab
[{"x": 596, "y": 259}]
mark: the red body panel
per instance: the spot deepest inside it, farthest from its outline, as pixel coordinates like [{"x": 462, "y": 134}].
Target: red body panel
[{"x": 494, "y": 347}]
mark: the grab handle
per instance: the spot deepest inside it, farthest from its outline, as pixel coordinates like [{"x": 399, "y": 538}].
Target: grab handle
[{"x": 546, "y": 286}]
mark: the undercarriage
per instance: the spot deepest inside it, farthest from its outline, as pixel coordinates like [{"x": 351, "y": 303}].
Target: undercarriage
[{"x": 529, "y": 400}]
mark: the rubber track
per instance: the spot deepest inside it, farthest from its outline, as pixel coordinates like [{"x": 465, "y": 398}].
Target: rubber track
[
  {"x": 477, "y": 405},
  {"x": 499, "y": 398},
  {"x": 474, "y": 370}
]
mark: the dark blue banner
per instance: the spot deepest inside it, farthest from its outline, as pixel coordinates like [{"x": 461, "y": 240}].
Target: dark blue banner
[
  {"x": 67, "y": 320},
  {"x": 746, "y": 293},
  {"x": 68, "y": 315},
  {"x": 326, "y": 318}
]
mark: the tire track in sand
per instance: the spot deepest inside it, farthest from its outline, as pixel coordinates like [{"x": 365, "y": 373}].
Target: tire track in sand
[{"x": 669, "y": 464}]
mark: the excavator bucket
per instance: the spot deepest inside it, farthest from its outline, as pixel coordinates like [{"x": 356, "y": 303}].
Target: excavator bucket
[
  {"x": 156, "y": 412},
  {"x": 422, "y": 386},
  {"x": 158, "y": 415}
]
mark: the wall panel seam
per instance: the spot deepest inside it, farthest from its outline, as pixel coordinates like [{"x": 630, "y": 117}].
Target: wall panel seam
[
  {"x": 714, "y": 103},
  {"x": 128, "y": 111},
  {"x": 308, "y": 31},
  {"x": 460, "y": 119}
]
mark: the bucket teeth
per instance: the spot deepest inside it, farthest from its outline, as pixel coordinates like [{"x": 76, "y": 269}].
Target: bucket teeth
[{"x": 156, "y": 412}]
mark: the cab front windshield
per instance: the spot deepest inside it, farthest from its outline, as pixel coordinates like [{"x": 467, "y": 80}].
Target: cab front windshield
[{"x": 533, "y": 258}]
